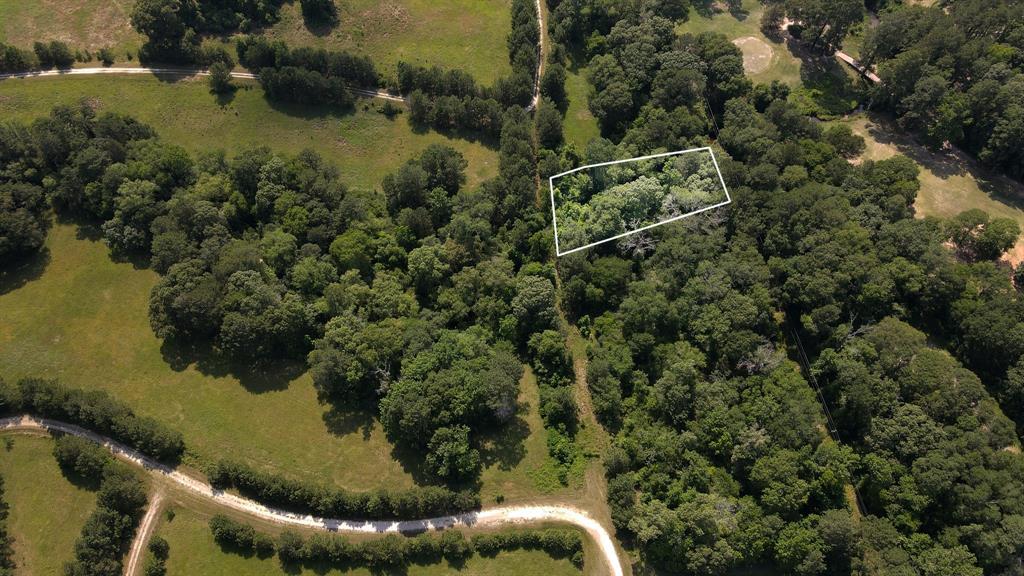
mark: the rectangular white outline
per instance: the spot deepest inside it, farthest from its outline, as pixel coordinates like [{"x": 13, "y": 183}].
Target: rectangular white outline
[{"x": 554, "y": 218}]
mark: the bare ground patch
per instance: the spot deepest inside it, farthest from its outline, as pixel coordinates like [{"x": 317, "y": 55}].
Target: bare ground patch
[{"x": 757, "y": 54}]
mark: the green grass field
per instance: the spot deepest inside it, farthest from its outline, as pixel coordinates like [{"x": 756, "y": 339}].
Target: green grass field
[
  {"x": 82, "y": 24},
  {"x": 951, "y": 182},
  {"x": 47, "y": 511},
  {"x": 193, "y": 551},
  {"x": 781, "y": 65},
  {"x": 366, "y": 145},
  {"x": 466, "y": 34},
  {"x": 822, "y": 85},
  {"x": 78, "y": 316},
  {"x": 580, "y": 125}
]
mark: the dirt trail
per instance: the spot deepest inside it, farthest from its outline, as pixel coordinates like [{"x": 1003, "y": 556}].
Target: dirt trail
[
  {"x": 483, "y": 518},
  {"x": 120, "y": 70},
  {"x": 134, "y": 565}
]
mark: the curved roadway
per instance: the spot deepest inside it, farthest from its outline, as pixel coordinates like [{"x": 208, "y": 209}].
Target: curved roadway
[{"x": 483, "y": 518}]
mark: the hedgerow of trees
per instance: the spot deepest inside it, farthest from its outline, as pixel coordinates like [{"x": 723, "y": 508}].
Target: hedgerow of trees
[
  {"x": 109, "y": 530},
  {"x": 392, "y": 551},
  {"x": 93, "y": 410},
  {"x": 302, "y": 497}
]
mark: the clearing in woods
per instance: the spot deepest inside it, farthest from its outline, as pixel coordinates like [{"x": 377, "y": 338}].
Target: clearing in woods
[{"x": 951, "y": 181}]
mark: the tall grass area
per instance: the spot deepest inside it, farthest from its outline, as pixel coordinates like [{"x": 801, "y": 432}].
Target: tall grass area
[
  {"x": 47, "y": 511},
  {"x": 83, "y": 24},
  {"x": 466, "y": 34},
  {"x": 365, "y": 144},
  {"x": 580, "y": 125},
  {"x": 193, "y": 551},
  {"x": 76, "y": 315}
]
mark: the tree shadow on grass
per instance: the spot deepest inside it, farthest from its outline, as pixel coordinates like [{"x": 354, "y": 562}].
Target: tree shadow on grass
[
  {"x": 505, "y": 445},
  {"x": 345, "y": 420},
  {"x": 256, "y": 378},
  {"x": 473, "y": 136},
  {"x": 224, "y": 99},
  {"x": 19, "y": 273},
  {"x": 310, "y": 111},
  {"x": 947, "y": 162},
  {"x": 830, "y": 90}
]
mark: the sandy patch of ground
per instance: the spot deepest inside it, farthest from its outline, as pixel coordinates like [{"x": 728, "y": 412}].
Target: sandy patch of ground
[{"x": 757, "y": 54}]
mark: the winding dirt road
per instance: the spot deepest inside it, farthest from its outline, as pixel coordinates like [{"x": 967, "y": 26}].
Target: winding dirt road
[
  {"x": 483, "y": 518},
  {"x": 133, "y": 566}
]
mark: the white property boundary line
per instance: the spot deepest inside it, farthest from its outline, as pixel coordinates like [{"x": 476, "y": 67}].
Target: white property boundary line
[
  {"x": 554, "y": 218},
  {"x": 485, "y": 518}
]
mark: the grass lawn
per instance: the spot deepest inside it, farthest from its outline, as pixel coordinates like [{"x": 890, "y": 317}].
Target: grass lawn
[
  {"x": 85, "y": 320},
  {"x": 364, "y": 144},
  {"x": 466, "y": 34},
  {"x": 580, "y": 125},
  {"x": 82, "y": 24},
  {"x": 822, "y": 86},
  {"x": 193, "y": 551},
  {"x": 951, "y": 182},
  {"x": 781, "y": 65},
  {"x": 47, "y": 511}
]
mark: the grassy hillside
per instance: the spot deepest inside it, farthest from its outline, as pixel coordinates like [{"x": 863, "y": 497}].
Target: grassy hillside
[
  {"x": 46, "y": 511},
  {"x": 83, "y": 24},
  {"x": 366, "y": 145},
  {"x": 467, "y": 34}
]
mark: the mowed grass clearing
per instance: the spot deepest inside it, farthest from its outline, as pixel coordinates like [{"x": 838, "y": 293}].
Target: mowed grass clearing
[
  {"x": 951, "y": 181},
  {"x": 194, "y": 551},
  {"x": 820, "y": 84},
  {"x": 364, "y": 144},
  {"x": 580, "y": 125},
  {"x": 82, "y": 24},
  {"x": 466, "y": 34},
  {"x": 774, "y": 59},
  {"x": 47, "y": 511}
]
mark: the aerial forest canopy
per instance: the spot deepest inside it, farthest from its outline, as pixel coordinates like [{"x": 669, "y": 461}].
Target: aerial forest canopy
[
  {"x": 721, "y": 459},
  {"x": 710, "y": 343},
  {"x": 955, "y": 74}
]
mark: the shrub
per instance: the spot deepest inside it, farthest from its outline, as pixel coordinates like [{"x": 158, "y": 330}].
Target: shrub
[
  {"x": 14, "y": 59},
  {"x": 81, "y": 457},
  {"x": 240, "y": 537},
  {"x": 53, "y": 54},
  {"x": 220, "y": 78},
  {"x": 106, "y": 56}
]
